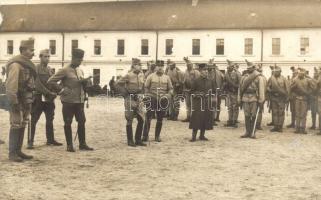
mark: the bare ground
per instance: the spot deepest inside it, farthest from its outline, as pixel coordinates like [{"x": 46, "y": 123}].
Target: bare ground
[{"x": 275, "y": 166}]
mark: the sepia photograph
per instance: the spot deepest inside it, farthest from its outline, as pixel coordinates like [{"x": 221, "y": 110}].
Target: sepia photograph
[{"x": 160, "y": 100}]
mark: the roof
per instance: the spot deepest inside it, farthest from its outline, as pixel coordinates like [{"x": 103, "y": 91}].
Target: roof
[{"x": 162, "y": 15}]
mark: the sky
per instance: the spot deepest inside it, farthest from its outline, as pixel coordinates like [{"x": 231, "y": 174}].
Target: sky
[{"x": 6, "y": 2}]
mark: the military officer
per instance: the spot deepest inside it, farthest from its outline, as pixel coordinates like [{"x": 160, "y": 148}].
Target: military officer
[
  {"x": 260, "y": 114},
  {"x": 314, "y": 100},
  {"x": 231, "y": 86},
  {"x": 44, "y": 100},
  {"x": 72, "y": 94},
  {"x": 132, "y": 88},
  {"x": 251, "y": 95},
  {"x": 302, "y": 87},
  {"x": 19, "y": 89},
  {"x": 278, "y": 90},
  {"x": 292, "y": 99},
  {"x": 188, "y": 78},
  {"x": 158, "y": 90},
  {"x": 177, "y": 81}
]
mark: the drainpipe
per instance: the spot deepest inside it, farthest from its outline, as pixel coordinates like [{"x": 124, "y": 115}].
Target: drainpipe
[
  {"x": 262, "y": 45},
  {"x": 63, "y": 49},
  {"x": 156, "y": 45}
]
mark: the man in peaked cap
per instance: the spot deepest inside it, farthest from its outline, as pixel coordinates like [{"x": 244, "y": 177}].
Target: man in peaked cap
[
  {"x": 292, "y": 98},
  {"x": 72, "y": 95},
  {"x": 189, "y": 77},
  {"x": 19, "y": 89},
  {"x": 231, "y": 86},
  {"x": 251, "y": 95},
  {"x": 44, "y": 100},
  {"x": 278, "y": 90}
]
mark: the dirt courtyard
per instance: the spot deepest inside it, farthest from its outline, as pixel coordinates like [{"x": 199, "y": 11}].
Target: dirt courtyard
[{"x": 275, "y": 166}]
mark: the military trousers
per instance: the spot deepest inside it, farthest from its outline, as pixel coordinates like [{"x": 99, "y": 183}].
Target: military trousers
[
  {"x": 174, "y": 106},
  {"x": 301, "y": 109},
  {"x": 188, "y": 104},
  {"x": 233, "y": 109},
  {"x": 278, "y": 111}
]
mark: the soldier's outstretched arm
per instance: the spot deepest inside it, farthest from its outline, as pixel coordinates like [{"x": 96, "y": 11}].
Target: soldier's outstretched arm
[
  {"x": 12, "y": 83},
  {"x": 54, "y": 79}
]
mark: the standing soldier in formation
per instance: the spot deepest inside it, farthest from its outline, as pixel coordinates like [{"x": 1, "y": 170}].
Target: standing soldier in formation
[
  {"x": 189, "y": 76},
  {"x": 177, "y": 81},
  {"x": 260, "y": 114},
  {"x": 19, "y": 89},
  {"x": 158, "y": 89},
  {"x": 151, "y": 69},
  {"x": 202, "y": 107},
  {"x": 72, "y": 93},
  {"x": 252, "y": 96},
  {"x": 216, "y": 75},
  {"x": 231, "y": 86},
  {"x": 314, "y": 100},
  {"x": 132, "y": 89},
  {"x": 302, "y": 87},
  {"x": 278, "y": 90},
  {"x": 292, "y": 98},
  {"x": 44, "y": 100}
]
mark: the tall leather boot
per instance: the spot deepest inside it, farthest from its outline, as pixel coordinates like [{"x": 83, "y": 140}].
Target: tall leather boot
[
  {"x": 50, "y": 135},
  {"x": 20, "y": 143},
  {"x": 13, "y": 145},
  {"x": 82, "y": 138},
  {"x": 247, "y": 127},
  {"x": 68, "y": 135},
  {"x": 129, "y": 131},
  {"x": 33, "y": 131},
  {"x": 292, "y": 125},
  {"x": 314, "y": 118},
  {"x": 217, "y": 119},
  {"x": 202, "y": 135},
  {"x": 138, "y": 133},
  {"x": 194, "y": 133},
  {"x": 158, "y": 129},
  {"x": 146, "y": 130}
]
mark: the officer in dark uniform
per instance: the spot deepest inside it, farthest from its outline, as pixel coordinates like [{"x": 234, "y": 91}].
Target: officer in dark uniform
[
  {"x": 72, "y": 93},
  {"x": 19, "y": 89},
  {"x": 44, "y": 100}
]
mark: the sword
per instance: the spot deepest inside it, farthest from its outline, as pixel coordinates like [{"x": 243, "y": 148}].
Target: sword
[
  {"x": 29, "y": 131},
  {"x": 255, "y": 121},
  {"x": 76, "y": 136}
]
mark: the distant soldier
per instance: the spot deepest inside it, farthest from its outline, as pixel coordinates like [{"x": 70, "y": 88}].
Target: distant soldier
[
  {"x": 72, "y": 93},
  {"x": 19, "y": 89},
  {"x": 176, "y": 77},
  {"x": 278, "y": 90},
  {"x": 2, "y": 99},
  {"x": 260, "y": 115},
  {"x": 268, "y": 98},
  {"x": 202, "y": 106},
  {"x": 158, "y": 89},
  {"x": 189, "y": 77},
  {"x": 132, "y": 85},
  {"x": 231, "y": 86},
  {"x": 216, "y": 75},
  {"x": 292, "y": 98},
  {"x": 112, "y": 86},
  {"x": 44, "y": 100},
  {"x": 151, "y": 69},
  {"x": 302, "y": 87},
  {"x": 318, "y": 93},
  {"x": 251, "y": 95},
  {"x": 314, "y": 100}
]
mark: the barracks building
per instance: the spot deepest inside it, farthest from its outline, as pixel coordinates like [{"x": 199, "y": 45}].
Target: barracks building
[{"x": 287, "y": 33}]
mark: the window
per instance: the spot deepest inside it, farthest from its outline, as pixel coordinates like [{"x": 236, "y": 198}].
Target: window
[
  {"x": 169, "y": 46},
  {"x": 248, "y": 46},
  {"x": 97, "y": 47},
  {"x": 74, "y": 44},
  {"x": 10, "y": 47},
  {"x": 120, "y": 47},
  {"x": 219, "y": 46},
  {"x": 144, "y": 47},
  {"x": 96, "y": 74},
  {"x": 52, "y": 47},
  {"x": 276, "y": 46},
  {"x": 196, "y": 48},
  {"x": 304, "y": 46}
]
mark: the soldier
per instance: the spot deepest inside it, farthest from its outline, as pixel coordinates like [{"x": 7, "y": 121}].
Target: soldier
[
  {"x": 216, "y": 75},
  {"x": 2, "y": 98},
  {"x": 314, "y": 101},
  {"x": 151, "y": 69},
  {"x": 260, "y": 115},
  {"x": 231, "y": 86},
  {"x": 158, "y": 90},
  {"x": 177, "y": 81},
  {"x": 251, "y": 95},
  {"x": 202, "y": 107},
  {"x": 302, "y": 87},
  {"x": 292, "y": 99},
  {"x": 44, "y": 100},
  {"x": 132, "y": 88},
  {"x": 278, "y": 90},
  {"x": 189, "y": 76},
  {"x": 72, "y": 93},
  {"x": 19, "y": 89},
  {"x": 318, "y": 93}
]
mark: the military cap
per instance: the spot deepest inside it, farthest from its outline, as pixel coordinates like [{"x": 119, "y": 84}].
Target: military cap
[
  {"x": 230, "y": 63},
  {"x": 277, "y": 69},
  {"x": 136, "y": 61},
  {"x": 202, "y": 65},
  {"x": 160, "y": 63},
  {"x": 44, "y": 51},
  {"x": 249, "y": 64},
  {"x": 78, "y": 53},
  {"x": 30, "y": 43},
  {"x": 170, "y": 63},
  {"x": 301, "y": 71}
]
